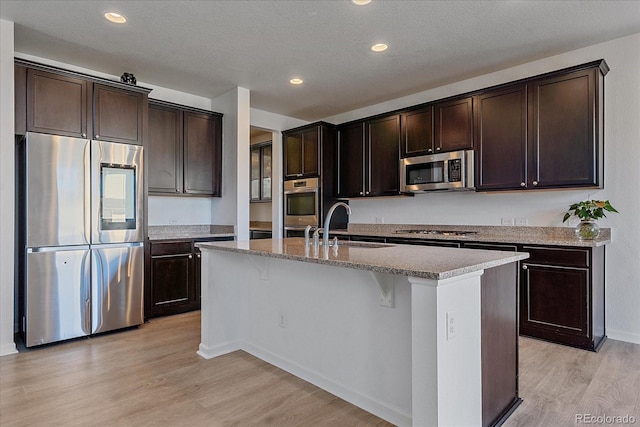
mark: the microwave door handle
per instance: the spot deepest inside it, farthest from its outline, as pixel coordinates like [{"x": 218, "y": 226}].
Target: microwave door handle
[{"x": 445, "y": 171}]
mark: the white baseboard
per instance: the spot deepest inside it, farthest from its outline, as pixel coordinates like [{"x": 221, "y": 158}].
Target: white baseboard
[
  {"x": 379, "y": 409},
  {"x": 615, "y": 334},
  {"x": 8, "y": 349},
  {"x": 219, "y": 350}
]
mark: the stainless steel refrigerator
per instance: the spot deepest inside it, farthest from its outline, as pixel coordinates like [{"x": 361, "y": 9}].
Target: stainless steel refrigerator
[{"x": 82, "y": 215}]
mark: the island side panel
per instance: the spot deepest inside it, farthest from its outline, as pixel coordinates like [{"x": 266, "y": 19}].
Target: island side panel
[
  {"x": 223, "y": 304},
  {"x": 499, "y": 343},
  {"x": 456, "y": 397}
]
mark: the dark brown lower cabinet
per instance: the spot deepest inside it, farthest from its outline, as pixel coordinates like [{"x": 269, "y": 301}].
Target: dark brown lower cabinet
[
  {"x": 174, "y": 278},
  {"x": 172, "y": 287},
  {"x": 562, "y": 295}
]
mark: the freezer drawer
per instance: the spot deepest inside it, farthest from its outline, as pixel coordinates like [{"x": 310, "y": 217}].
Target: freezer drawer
[
  {"x": 57, "y": 295},
  {"x": 117, "y": 286}
]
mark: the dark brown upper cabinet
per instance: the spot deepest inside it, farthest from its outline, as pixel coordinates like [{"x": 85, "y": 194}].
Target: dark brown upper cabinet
[
  {"x": 260, "y": 172},
  {"x": 368, "y": 153},
  {"x": 164, "y": 149},
  {"x": 501, "y": 138},
  {"x": 184, "y": 150},
  {"x": 202, "y": 153},
  {"x": 117, "y": 114},
  {"x": 453, "y": 125},
  {"x": 301, "y": 153},
  {"x": 56, "y": 104},
  {"x": 417, "y": 132},
  {"x": 546, "y": 132},
  {"x": 68, "y": 104},
  {"x": 566, "y": 129}
]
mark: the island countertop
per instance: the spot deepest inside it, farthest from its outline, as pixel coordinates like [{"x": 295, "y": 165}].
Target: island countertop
[{"x": 427, "y": 262}]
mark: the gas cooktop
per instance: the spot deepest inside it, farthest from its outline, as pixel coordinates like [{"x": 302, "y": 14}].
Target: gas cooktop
[{"x": 437, "y": 232}]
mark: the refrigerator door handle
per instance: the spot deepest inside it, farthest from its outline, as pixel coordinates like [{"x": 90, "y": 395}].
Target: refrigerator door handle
[
  {"x": 97, "y": 300},
  {"x": 87, "y": 192},
  {"x": 86, "y": 291}
]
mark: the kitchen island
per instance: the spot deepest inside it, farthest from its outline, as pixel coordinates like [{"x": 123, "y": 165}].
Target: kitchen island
[{"x": 418, "y": 336}]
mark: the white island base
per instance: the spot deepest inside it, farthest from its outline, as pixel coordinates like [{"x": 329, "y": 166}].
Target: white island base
[{"x": 377, "y": 340}]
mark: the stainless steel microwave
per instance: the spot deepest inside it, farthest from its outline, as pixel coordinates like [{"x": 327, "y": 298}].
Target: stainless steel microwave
[{"x": 442, "y": 171}]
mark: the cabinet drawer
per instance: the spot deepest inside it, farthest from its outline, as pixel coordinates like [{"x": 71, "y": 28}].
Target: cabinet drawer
[
  {"x": 171, "y": 248},
  {"x": 490, "y": 246},
  {"x": 557, "y": 256}
]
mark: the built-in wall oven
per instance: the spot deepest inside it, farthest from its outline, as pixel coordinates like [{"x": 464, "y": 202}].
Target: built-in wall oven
[{"x": 301, "y": 205}]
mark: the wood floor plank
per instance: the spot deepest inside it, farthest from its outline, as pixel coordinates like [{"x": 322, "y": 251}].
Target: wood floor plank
[{"x": 151, "y": 376}]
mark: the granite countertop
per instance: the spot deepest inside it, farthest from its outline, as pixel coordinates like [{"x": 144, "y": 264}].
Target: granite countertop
[
  {"x": 551, "y": 236},
  {"x": 173, "y": 232},
  {"x": 408, "y": 260}
]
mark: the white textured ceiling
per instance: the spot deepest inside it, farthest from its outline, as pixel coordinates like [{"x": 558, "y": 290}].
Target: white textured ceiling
[{"x": 209, "y": 47}]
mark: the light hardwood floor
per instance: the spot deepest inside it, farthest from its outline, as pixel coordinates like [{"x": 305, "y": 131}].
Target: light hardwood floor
[{"x": 151, "y": 376}]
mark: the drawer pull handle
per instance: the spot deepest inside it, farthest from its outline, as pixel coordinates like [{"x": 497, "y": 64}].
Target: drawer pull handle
[
  {"x": 190, "y": 256},
  {"x": 524, "y": 267}
]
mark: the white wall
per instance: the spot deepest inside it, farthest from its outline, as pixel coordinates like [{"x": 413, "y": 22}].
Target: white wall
[
  {"x": 233, "y": 206},
  {"x": 546, "y": 208},
  {"x": 7, "y": 185}
]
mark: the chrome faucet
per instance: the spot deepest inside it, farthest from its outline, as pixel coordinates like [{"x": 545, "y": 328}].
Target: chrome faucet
[
  {"x": 327, "y": 223},
  {"x": 307, "y": 231}
]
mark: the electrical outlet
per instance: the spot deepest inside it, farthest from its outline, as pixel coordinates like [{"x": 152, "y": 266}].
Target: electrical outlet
[
  {"x": 451, "y": 325},
  {"x": 506, "y": 221},
  {"x": 282, "y": 320},
  {"x": 521, "y": 221},
  {"x": 379, "y": 220},
  {"x": 173, "y": 220}
]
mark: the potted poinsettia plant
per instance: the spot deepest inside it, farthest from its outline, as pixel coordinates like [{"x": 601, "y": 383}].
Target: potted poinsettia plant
[{"x": 588, "y": 211}]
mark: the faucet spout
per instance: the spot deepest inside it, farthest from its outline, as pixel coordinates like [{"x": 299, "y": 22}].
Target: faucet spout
[{"x": 327, "y": 221}]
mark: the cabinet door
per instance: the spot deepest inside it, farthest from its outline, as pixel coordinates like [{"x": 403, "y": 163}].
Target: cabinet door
[
  {"x": 310, "y": 148},
  {"x": 254, "y": 174},
  {"x": 117, "y": 115},
  {"x": 417, "y": 132},
  {"x": 293, "y": 155},
  {"x": 383, "y": 156},
  {"x": 351, "y": 160},
  {"x": 564, "y": 146},
  {"x": 554, "y": 301},
  {"x": 265, "y": 172},
  {"x": 501, "y": 139},
  {"x": 453, "y": 122},
  {"x": 56, "y": 104},
  {"x": 172, "y": 284},
  {"x": 164, "y": 149},
  {"x": 201, "y": 154}
]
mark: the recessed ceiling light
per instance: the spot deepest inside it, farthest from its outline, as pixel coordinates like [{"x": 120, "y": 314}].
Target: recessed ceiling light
[
  {"x": 361, "y": 2},
  {"x": 296, "y": 81},
  {"x": 379, "y": 47},
  {"x": 115, "y": 17}
]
